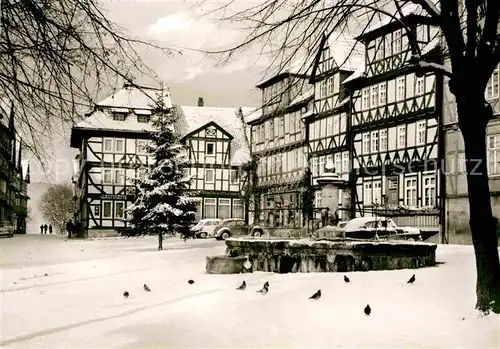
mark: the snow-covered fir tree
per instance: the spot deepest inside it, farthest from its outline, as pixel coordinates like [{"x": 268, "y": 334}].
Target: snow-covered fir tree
[{"x": 163, "y": 204}]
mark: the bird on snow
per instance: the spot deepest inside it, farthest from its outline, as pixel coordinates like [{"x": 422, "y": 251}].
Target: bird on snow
[
  {"x": 190, "y": 282},
  {"x": 346, "y": 279},
  {"x": 125, "y": 294},
  {"x": 368, "y": 310},
  {"x": 146, "y": 288},
  {"x": 264, "y": 290},
  {"x": 243, "y": 286},
  {"x": 412, "y": 279},
  {"x": 266, "y": 284},
  {"x": 316, "y": 296}
]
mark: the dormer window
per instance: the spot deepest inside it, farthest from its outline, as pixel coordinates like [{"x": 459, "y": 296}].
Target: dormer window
[
  {"x": 143, "y": 118},
  {"x": 119, "y": 116}
]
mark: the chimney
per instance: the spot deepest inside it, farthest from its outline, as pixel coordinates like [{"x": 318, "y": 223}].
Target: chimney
[{"x": 200, "y": 102}]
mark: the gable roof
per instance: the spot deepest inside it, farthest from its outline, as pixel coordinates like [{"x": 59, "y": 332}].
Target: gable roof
[
  {"x": 189, "y": 119},
  {"x": 136, "y": 97},
  {"x": 299, "y": 67},
  {"x": 103, "y": 120}
]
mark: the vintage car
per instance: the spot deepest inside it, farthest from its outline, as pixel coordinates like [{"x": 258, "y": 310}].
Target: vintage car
[
  {"x": 6, "y": 229},
  {"x": 205, "y": 227},
  {"x": 379, "y": 228},
  {"x": 235, "y": 227}
]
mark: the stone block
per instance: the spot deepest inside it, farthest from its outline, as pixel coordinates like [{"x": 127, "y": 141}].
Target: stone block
[{"x": 225, "y": 265}]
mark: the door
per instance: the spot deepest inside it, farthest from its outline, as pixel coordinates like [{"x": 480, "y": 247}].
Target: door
[{"x": 392, "y": 191}]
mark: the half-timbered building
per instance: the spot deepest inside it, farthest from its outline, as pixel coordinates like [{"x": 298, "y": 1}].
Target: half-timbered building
[
  {"x": 457, "y": 228},
  {"x": 112, "y": 140},
  {"x": 217, "y": 148},
  {"x": 328, "y": 123},
  {"x": 394, "y": 119},
  {"x": 279, "y": 147},
  {"x": 14, "y": 172}
]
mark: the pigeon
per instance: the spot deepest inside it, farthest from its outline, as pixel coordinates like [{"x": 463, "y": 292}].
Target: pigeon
[
  {"x": 264, "y": 290},
  {"x": 190, "y": 282},
  {"x": 243, "y": 286},
  {"x": 412, "y": 279},
  {"x": 125, "y": 294},
  {"x": 316, "y": 296},
  {"x": 146, "y": 288},
  {"x": 346, "y": 279},
  {"x": 368, "y": 310},
  {"x": 266, "y": 284}
]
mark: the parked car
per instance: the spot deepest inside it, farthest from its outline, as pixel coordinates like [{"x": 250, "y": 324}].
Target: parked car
[
  {"x": 6, "y": 229},
  {"x": 205, "y": 227},
  {"x": 379, "y": 227},
  {"x": 231, "y": 227}
]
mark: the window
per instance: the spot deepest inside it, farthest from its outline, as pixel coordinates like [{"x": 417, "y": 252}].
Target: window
[
  {"x": 400, "y": 93},
  {"x": 210, "y": 148},
  {"x": 119, "y": 145},
  {"x": 143, "y": 118},
  {"x": 366, "y": 98},
  {"x": 493, "y": 88},
  {"x": 211, "y": 132},
  {"x": 238, "y": 209},
  {"x": 141, "y": 145},
  {"x": 141, "y": 173},
  {"x": 119, "y": 116},
  {"x": 401, "y": 136},
  {"x": 382, "y": 93},
  {"x": 493, "y": 147},
  {"x": 119, "y": 209},
  {"x": 317, "y": 199},
  {"x": 430, "y": 191},
  {"x": 323, "y": 88},
  {"x": 367, "y": 194},
  {"x": 411, "y": 192},
  {"x": 322, "y": 162},
  {"x": 379, "y": 49},
  {"x": 421, "y": 132},
  {"x": 383, "y": 140},
  {"x": 315, "y": 165},
  {"x": 338, "y": 162},
  {"x": 97, "y": 211},
  {"x": 209, "y": 210},
  {"x": 345, "y": 162},
  {"x": 234, "y": 177},
  {"x": 106, "y": 178},
  {"x": 377, "y": 192},
  {"x": 271, "y": 130},
  {"x": 419, "y": 86},
  {"x": 224, "y": 208},
  {"x": 262, "y": 133},
  {"x": 366, "y": 143},
  {"x": 108, "y": 145},
  {"x": 374, "y": 141},
  {"x": 106, "y": 209},
  {"x": 119, "y": 176},
  {"x": 374, "y": 96},
  {"x": 397, "y": 42},
  {"x": 329, "y": 85},
  {"x": 209, "y": 175}
]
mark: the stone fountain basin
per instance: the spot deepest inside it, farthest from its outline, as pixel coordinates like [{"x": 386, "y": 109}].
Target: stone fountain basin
[{"x": 334, "y": 255}]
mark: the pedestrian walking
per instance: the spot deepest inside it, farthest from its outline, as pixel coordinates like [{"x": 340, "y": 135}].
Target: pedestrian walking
[
  {"x": 45, "y": 228},
  {"x": 70, "y": 227},
  {"x": 50, "y": 229},
  {"x": 41, "y": 229}
]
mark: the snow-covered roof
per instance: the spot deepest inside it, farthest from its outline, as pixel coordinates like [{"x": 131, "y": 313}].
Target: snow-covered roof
[
  {"x": 303, "y": 97},
  {"x": 103, "y": 120},
  {"x": 359, "y": 73},
  {"x": 251, "y": 113},
  {"x": 140, "y": 97},
  {"x": 190, "y": 118},
  {"x": 348, "y": 53}
]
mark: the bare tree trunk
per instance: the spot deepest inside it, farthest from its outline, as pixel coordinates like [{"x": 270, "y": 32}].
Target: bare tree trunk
[
  {"x": 160, "y": 240},
  {"x": 473, "y": 121}
]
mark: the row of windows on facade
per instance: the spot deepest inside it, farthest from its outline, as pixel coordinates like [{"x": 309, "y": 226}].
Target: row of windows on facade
[
  {"x": 392, "y": 43},
  {"x": 327, "y": 127},
  {"x": 223, "y": 210},
  {"x": 340, "y": 161},
  {"x": 210, "y": 209},
  {"x": 117, "y": 145},
  {"x": 117, "y": 176},
  {"x": 283, "y": 91},
  {"x": 286, "y": 161},
  {"x": 272, "y": 129},
  {"x": 117, "y": 116},
  {"x": 377, "y": 141},
  {"x": 328, "y": 87}
]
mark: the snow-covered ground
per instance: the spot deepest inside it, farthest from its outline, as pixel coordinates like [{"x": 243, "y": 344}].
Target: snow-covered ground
[{"x": 79, "y": 303}]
